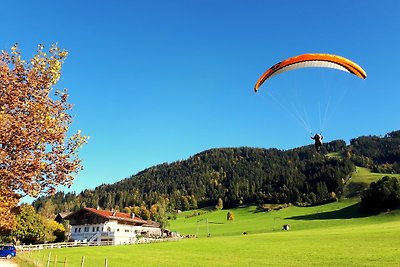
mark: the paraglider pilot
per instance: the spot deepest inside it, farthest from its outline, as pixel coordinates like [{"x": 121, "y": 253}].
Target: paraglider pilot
[{"x": 317, "y": 141}]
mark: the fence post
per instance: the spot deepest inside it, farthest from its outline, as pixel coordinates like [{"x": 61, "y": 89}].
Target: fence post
[
  {"x": 83, "y": 261},
  {"x": 106, "y": 263},
  {"x": 65, "y": 262},
  {"x": 55, "y": 260},
  {"x": 48, "y": 259}
]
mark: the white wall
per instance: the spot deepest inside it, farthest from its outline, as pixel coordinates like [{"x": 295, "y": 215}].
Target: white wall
[{"x": 119, "y": 233}]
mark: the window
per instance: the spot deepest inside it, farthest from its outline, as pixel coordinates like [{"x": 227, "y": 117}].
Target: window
[
  {"x": 99, "y": 228},
  {"x": 76, "y": 230},
  {"x": 86, "y": 229}
]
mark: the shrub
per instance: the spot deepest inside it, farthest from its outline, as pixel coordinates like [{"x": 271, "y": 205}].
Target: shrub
[{"x": 381, "y": 195}]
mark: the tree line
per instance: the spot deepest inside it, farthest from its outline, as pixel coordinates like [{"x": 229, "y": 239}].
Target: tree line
[
  {"x": 380, "y": 154},
  {"x": 235, "y": 175},
  {"x": 241, "y": 175}
]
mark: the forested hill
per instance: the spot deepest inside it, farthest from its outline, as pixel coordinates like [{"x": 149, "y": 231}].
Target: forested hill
[
  {"x": 381, "y": 154},
  {"x": 241, "y": 175}
]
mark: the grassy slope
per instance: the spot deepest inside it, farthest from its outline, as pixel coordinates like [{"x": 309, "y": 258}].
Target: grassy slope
[
  {"x": 336, "y": 234},
  {"x": 360, "y": 180}
]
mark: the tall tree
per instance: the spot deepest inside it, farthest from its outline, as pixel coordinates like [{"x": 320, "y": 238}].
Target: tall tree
[
  {"x": 53, "y": 231},
  {"x": 35, "y": 153},
  {"x": 48, "y": 210},
  {"x": 30, "y": 228}
]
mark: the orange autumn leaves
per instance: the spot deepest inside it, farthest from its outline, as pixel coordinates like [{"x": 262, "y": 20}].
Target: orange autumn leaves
[{"x": 36, "y": 155}]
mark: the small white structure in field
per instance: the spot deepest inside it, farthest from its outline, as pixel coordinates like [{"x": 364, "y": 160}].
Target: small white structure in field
[{"x": 286, "y": 227}]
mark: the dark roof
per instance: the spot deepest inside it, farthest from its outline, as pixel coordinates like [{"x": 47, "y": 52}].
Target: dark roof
[
  {"x": 152, "y": 224},
  {"x": 61, "y": 216},
  {"x": 111, "y": 215}
]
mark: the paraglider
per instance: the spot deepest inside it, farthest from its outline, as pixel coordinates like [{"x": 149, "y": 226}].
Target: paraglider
[
  {"x": 317, "y": 141},
  {"x": 312, "y": 60}
]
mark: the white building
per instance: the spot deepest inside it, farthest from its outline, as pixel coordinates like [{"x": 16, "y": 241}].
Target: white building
[{"x": 97, "y": 225}]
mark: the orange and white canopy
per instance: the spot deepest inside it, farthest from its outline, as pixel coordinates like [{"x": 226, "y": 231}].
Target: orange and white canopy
[{"x": 312, "y": 60}]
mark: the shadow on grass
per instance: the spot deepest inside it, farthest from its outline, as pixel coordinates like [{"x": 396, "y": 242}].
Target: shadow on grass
[
  {"x": 355, "y": 189},
  {"x": 350, "y": 212},
  {"x": 259, "y": 209},
  {"x": 272, "y": 207}
]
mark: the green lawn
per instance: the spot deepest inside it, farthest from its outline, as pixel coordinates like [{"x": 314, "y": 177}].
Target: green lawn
[
  {"x": 336, "y": 234},
  {"x": 334, "y": 155},
  {"x": 331, "y": 235}
]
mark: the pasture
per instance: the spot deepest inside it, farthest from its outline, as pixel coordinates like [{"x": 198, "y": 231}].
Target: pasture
[{"x": 336, "y": 234}]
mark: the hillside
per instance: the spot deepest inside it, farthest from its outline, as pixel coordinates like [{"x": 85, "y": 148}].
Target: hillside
[{"x": 242, "y": 175}]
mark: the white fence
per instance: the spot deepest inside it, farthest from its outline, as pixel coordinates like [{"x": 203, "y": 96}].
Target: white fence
[
  {"x": 62, "y": 245},
  {"x": 92, "y": 243}
]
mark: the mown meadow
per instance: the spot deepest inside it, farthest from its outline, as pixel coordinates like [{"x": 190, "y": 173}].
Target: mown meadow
[{"x": 335, "y": 234}]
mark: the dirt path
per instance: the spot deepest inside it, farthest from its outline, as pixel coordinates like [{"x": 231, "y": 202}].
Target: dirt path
[{"x": 7, "y": 263}]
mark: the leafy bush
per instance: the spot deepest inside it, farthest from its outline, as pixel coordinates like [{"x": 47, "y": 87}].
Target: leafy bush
[{"x": 381, "y": 195}]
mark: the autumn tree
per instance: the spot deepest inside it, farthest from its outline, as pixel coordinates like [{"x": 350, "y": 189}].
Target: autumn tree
[
  {"x": 36, "y": 154},
  {"x": 144, "y": 212},
  {"x": 53, "y": 231},
  {"x": 8, "y": 199},
  {"x": 220, "y": 204},
  {"x": 230, "y": 216},
  {"x": 126, "y": 210},
  {"x": 159, "y": 213},
  {"x": 48, "y": 210}
]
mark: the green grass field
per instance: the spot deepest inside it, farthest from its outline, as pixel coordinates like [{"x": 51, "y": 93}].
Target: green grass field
[{"x": 336, "y": 234}]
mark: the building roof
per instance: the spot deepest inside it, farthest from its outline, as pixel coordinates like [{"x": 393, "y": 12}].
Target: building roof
[
  {"x": 61, "y": 216},
  {"x": 111, "y": 215},
  {"x": 152, "y": 224}
]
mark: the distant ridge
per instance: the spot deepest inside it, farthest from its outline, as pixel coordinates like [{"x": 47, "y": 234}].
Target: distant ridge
[{"x": 242, "y": 175}]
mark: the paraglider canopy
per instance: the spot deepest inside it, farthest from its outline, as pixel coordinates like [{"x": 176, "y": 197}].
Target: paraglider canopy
[{"x": 312, "y": 60}]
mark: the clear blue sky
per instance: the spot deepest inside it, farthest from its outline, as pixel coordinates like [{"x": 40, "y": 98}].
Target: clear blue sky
[{"x": 158, "y": 81}]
